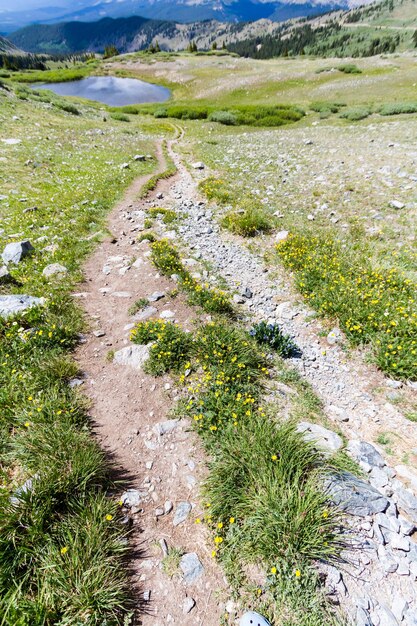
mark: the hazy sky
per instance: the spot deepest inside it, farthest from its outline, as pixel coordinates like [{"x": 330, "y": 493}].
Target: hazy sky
[{"x": 21, "y": 5}]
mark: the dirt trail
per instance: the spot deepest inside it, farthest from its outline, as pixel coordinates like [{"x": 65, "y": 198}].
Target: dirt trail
[
  {"x": 128, "y": 408},
  {"x": 131, "y": 411}
]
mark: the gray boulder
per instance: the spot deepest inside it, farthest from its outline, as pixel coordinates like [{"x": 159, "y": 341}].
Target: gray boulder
[
  {"x": 54, "y": 269},
  {"x": 15, "y": 252},
  {"x": 134, "y": 356},
  {"x": 191, "y": 567},
  {"x": 12, "y": 304},
  {"x": 322, "y": 437},
  {"x": 4, "y": 276},
  {"x": 366, "y": 453},
  {"x": 355, "y": 496},
  {"x": 181, "y": 513}
]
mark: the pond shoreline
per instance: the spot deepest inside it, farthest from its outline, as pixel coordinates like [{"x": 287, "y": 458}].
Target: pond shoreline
[{"x": 110, "y": 90}]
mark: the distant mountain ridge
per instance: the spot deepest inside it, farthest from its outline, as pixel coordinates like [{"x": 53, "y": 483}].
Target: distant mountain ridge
[
  {"x": 7, "y": 47},
  {"x": 172, "y": 10},
  {"x": 131, "y": 34},
  {"x": 364, "y": 31}
]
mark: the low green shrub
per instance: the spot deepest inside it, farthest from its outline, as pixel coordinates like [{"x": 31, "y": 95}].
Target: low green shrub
[
  {"x": 398, "y": 108},
  {"x": 69, "y": 108},
  {"x": 252, "y": 115},
  {"x": 327, "y": 107},
  {"x": 247, "y": 222},
  {"x": 120, "y": 117},
  {"x": 160, "y": 113},
  {"x": 223, "y": 117},
  {"x": 349, "y": 68},
  {"x": 272, "y": 335},
  {"x": 171, "y": 348},
  {"x": 354, "y": 114}
]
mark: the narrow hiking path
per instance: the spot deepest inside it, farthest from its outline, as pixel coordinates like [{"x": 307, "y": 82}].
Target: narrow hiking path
[
  {"x": 164, "y": 461},
  {"x": 159, "y": 457}
]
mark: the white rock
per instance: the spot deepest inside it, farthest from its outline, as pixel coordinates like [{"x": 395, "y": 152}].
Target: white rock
[
  {"x": 282, "y": 235},
  {"x": 134, "y": 356},
  {"x": 396, "y": 204},
  {"x": 189, "y": 604},
  {"x": 323, "y": 437},
  {"x": 55, "y": 269}
]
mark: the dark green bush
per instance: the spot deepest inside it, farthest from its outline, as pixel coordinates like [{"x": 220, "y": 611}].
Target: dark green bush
[
  {"x": 120, "y": 117},
  {"x": 398, "y": 108},
  {"x": 223, "y": 117},
  {"x": 349, "y": 68},
  {"x": 355, "y": 114},
  {"x": 272, "y": 335},
  {"x": 69, "y": 108}
]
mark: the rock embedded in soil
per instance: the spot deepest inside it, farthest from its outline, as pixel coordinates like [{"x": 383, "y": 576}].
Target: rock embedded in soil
[
  {"x": 188, "y": 605},
  {"x": 191, "y": 567},
  {"x": 145, "y": 314},
  {"x": 322, "y": 437},
  {"x": 55, "y": 269},
  {"x": 5, "y": 276},
  {"x": 13, "y": 304},
  {"x": 15, "y": 252},
  {"x": 132, "y": 498},
  {"x": 164, "y": 428},
  {"x": 282, "y": 235},
  {"x": 155, "y": 296},
  {"x": 365, "y": 453},
  {"x": 134, "y": 356},
  {"x": 355, "y": 496},
  {"x": 181, "y": 513},
  {"x": 396, "y": 204}
]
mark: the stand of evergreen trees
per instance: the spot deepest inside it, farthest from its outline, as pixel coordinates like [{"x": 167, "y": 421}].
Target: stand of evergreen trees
[
  {"x": 18, "y": 62},
  {"x": 329, "y": 40},
  {"x": 22, "y": 62}
]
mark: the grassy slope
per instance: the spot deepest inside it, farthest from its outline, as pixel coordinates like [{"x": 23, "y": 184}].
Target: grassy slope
[
  {"x": 68, "y": 167},
  {"x": 380, "y": 82},
  {"x": 298, "y": 81},
  {"x": 208, "y": 80}
]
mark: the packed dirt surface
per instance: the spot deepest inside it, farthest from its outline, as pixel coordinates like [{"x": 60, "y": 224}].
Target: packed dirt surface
[{"x": 130, "y": 413}]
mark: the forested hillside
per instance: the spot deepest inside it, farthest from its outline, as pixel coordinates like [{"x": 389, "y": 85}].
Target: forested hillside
[{"x": 380, "y": 28}]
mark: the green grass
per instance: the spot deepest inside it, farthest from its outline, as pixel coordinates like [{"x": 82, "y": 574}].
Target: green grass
[
  {"x": 169, "y": 171},
  {"x": 374, "y": 306},
  {"x": 265, "y": 504},
  {"x": 139, "y": 305},
  {"x": 168, "y": 215},
  {"x": 247, "y": 222},
  {"x": 171, "y": 562},
  {"x": 56, "y": 75},
  {"x": 271, "y": 335},
  {"x": 167, "y": 259},
  {"x": 171, "y": 349},
  {"x": 62, "y": 545}
]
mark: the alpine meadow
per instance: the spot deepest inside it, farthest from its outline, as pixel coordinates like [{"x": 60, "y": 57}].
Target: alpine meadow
[{"x": 208, "y": 314}]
